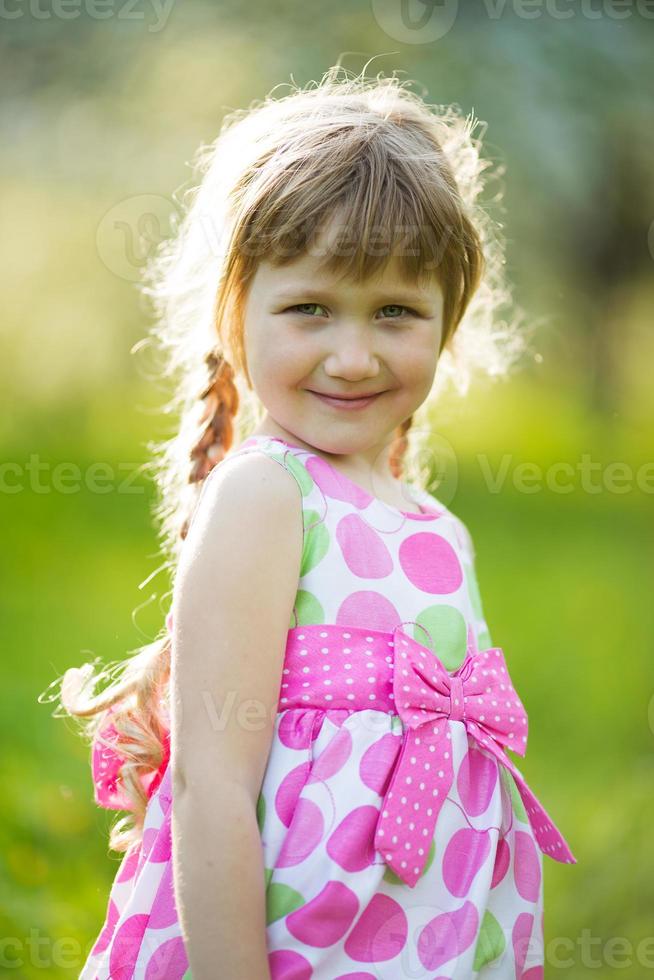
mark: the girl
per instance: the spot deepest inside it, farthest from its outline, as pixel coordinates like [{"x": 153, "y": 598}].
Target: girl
[{"x": 324, "y": 709}]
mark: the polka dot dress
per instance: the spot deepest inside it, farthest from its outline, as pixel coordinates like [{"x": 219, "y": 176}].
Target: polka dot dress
[{"x": 336, "y": 909}]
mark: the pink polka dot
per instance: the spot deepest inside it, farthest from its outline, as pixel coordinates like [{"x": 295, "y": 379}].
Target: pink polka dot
[
  {"x": 159, "y": 845},
  {"x": 108, "y": 930},
  {"x": 287, "y": 965},
  {"x": 304, "y": 835},
  {"x": 336, "y": 485},
  {"x": 125, "y": 947},
  {"x": 165, "y": 789},
  {"x": 333, "y": 757},
  {"x": 296, "y": 728},
  {"x": 502, "y": 858},
  {"x": 521, "y": 940},
  {"x": 364, "y": 552},
  {"x": 162, "y": 847},
  {"x": 430, "y": 563},
  {"x": 380, "y": 933},
  {"x": 326, "y": 918},
  {"x": 337, "y": 715},
  {"x": 164, "y": 912},
  {"x": 168, "y": 962},
  {"x": 476, "y": 781},
  {"x": 535, "y": 973},
  {"x": 370, "y": 608},
  {"x": 128, "y": 866},
  {"x": 289, "y": 790},
  {"x": 464, "y": 855},
  {"x": 351, "y": 844},
  {"x": 376, "y": 766},
  {"x": 447, "y": 935},
  {"x": 526, "y": 866}
]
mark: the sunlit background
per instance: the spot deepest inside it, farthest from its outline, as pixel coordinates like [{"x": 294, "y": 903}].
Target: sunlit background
[{"x": 103, "y": 107}]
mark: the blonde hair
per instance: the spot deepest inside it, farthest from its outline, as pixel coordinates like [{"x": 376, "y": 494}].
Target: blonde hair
[{"x": 388, "y": 162}]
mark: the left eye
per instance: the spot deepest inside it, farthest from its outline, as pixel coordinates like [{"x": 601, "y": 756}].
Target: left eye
[{"x": 395, "y": 306}]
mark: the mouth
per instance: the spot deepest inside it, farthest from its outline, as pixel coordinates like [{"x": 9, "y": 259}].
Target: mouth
[{"x": 349, "y": 404}]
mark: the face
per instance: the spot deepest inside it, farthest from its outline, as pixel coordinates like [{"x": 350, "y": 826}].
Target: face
[{"x": 307, "y": 335}]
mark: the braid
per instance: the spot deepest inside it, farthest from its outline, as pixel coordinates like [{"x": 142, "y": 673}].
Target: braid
[
  {"x": 217, "y": 431},
  {"x": 399, "y": 447}
]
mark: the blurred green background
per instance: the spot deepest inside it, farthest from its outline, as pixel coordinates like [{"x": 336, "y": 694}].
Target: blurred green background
[{"x": 103, "y": 107}]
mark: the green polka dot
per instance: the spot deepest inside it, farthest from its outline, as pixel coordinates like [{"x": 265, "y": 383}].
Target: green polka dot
[
  {"x": 447, "y": 627},
  {"x": 393, "y": 879},
  {"x": 491, "y": 942},
  {"x": 280, "y": 900},
  {"x": 484, "y": 640},
  {"x": 261, "y": 811},
  {"x": 188, "y": 975},
  {"x": 316, "y": 541},
  {"x": 473, "y": 590},
  {"x": 300, "y": 473},
  {"x": 308, "y": 608},
  {"x": 267, "y": 874},
  {"x": 516, "y": 799}
]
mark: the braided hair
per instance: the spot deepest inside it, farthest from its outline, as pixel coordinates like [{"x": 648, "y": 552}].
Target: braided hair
[{"x": 221, "y": 398}]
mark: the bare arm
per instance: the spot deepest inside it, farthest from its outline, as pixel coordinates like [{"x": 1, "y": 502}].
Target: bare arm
[{"x": 232, "y": 605}]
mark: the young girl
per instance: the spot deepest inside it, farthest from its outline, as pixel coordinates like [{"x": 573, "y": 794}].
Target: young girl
[{"x": 313, "y": 753}]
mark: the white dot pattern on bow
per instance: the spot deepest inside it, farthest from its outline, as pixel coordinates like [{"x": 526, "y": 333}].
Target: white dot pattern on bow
[
  {"x": 410, "y": 680},
  {"x": 333, "y": 666}
]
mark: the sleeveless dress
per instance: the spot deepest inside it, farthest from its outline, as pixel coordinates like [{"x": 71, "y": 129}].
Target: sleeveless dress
[{"x": 399, "y": 839}]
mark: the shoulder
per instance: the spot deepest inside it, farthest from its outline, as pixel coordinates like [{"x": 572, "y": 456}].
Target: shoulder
[
  {"x": 248, "y": 502},
  {"x": 256, "y": 478}
]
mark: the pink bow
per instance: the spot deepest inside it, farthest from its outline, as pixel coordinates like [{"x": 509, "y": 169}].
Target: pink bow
[
  {"x": 480, "y": 696},
  {"x": 106, "y": 762}
]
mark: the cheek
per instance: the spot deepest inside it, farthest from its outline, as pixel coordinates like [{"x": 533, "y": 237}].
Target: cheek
[
  {"x": 416, "y": 366},
  {"x": 276, "y": 358}
]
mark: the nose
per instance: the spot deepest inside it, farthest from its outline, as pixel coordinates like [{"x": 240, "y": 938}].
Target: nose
[{"x": 352, "y": 355}]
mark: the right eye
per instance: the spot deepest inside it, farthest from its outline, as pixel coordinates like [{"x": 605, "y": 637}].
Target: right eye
[{"x": 302, "y": 307}]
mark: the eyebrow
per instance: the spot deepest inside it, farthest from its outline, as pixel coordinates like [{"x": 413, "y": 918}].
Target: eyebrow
[{"x": 386, "y": 295}]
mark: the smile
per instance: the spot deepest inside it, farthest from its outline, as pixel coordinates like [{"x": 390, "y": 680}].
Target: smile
[{"x": 348, "y": 404}]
